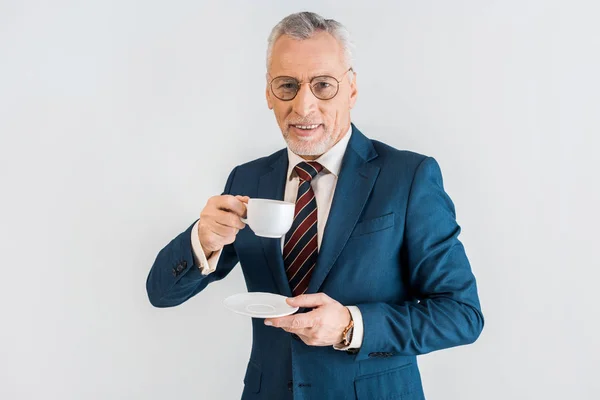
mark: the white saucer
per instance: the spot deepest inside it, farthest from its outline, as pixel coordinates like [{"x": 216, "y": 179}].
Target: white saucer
[{"x": 259, "y": 305}]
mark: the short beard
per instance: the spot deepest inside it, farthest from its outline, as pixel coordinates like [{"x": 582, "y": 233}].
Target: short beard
[{"x": 303, "y": 148}]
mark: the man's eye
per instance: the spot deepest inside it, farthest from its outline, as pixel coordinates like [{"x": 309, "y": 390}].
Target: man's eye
[{"x": 322, "y": 85}]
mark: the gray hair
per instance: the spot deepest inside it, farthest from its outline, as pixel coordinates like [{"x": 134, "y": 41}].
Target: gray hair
[{"x": 304, "y": 25}]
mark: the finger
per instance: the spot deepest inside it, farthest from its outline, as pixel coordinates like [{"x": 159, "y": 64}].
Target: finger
[
  {"x": 243, "y": 199},
  {"x": 309, "y": 337},
  {"x": 295, "y": 322},
  {"x": 229, "y": 219},
  {"x": 233, "y": 220},
  {"x": 309, "y": 300},
  {"x": 306, "y": 339},
  {"x": 231, "y": 203},
  {"x": 300, "y": 331},
  {"x": 222, "y": 230}
]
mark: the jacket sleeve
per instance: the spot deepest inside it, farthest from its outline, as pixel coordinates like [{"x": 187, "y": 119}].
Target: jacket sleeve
[
  {"x": 446, "y": 310},
  {"x": 175, "y": 277}
]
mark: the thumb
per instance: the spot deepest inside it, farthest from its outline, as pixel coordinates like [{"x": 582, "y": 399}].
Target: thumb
[
  {"x": 309, "y": 300},
  {"x": 243, "y": 199}
]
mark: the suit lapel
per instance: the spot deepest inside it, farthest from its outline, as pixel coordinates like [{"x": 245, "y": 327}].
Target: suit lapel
[
  {"x": 271, "y": 185},
  {"x": 355, "y": 183}
]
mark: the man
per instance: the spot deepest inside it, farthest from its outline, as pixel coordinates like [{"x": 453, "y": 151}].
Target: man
[{"x": 384, "y": 278}]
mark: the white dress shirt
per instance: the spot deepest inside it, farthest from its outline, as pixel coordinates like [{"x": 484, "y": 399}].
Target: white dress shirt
[{"x": 324, "y": 187}]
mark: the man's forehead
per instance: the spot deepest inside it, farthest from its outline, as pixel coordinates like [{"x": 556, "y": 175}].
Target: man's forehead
[
  {"x": 319, "y": 55},
  {"x": 304, "y": 72}
]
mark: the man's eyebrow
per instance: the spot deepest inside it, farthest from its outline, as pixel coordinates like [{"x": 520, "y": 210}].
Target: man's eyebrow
[{"x": 310, "y": 78}]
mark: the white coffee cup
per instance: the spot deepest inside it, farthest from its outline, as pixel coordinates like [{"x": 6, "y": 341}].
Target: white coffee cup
[{"x": 269, "y": 218}]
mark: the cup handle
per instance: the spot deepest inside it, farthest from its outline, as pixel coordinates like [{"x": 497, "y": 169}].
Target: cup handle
[{"x": 244, "y": 220}]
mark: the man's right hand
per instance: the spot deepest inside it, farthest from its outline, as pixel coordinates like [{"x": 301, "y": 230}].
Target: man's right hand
[{"x": 220, "y": 222}]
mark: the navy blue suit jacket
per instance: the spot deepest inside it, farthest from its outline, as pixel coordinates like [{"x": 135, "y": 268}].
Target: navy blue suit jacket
[{"x": 390, "y": 247}]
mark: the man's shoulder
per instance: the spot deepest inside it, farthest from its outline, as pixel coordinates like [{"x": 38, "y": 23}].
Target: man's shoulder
[
  {"x": 386, "y": 155},
  {"x": 261, "y": 163},
  {"x": 389, "y": 155}
]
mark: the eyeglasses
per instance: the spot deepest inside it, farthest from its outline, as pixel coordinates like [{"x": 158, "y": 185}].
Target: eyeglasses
[{"x": 324, "y": 87}]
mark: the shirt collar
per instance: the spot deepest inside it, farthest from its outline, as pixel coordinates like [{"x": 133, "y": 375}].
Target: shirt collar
[{"x": 331, "y": 160}]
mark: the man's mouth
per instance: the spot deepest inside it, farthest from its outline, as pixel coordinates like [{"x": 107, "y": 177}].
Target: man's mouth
[
  {"x": 306, "y": 127},
  {"x": 305, "y": 130}
]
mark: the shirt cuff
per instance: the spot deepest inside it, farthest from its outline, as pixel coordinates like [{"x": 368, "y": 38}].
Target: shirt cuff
[
  {"x": 358, "y": 331},
  {"x": 207, "y": 266}
]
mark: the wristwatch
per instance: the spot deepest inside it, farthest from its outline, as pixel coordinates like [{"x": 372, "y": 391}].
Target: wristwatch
[{"x": 347, "y": 333}]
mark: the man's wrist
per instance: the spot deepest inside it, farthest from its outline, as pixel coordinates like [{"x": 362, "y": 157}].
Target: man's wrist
[
  {"x": 201, "y": 253},
  {"x": 348, "y": 330},
  {"x": 207, "y": 253},
  {"x": 357, "y": 336}
]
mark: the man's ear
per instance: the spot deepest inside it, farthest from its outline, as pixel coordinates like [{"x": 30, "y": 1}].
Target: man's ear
[
  {"x": 268, "y": 95},
  {"x": 353, "y": 90}
]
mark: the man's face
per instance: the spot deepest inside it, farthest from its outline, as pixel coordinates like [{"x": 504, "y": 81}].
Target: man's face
[{"x": 327, "y": 120}]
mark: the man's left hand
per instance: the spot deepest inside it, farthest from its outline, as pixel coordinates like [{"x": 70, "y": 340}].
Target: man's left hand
[{"x": 323, "y": 326}]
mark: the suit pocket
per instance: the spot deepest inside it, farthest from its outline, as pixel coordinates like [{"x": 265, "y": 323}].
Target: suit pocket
[
  {"x": 253, "y": 378},
  {"x": 373, "y": 225},
  {"x": 402, "y": 383}
]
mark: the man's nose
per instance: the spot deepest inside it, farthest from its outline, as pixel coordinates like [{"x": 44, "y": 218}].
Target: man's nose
[{"x": 305, "y": 101}]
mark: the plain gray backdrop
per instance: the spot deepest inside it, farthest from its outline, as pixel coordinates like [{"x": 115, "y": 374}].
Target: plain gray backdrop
[{"x": 118, "y": 119}]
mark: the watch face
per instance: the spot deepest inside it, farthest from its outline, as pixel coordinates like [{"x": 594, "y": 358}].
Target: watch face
[{"x": 348, "y": 337}]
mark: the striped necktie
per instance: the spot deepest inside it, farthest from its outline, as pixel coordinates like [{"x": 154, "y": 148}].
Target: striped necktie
[{"x": 300, "y": 250}]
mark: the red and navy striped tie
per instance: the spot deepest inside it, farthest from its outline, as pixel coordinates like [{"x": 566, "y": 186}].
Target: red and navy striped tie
[{"x": 300, "y": 250}]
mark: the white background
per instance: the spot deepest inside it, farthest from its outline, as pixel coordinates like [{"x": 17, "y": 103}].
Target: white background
[{"x": 118, "y": 119}]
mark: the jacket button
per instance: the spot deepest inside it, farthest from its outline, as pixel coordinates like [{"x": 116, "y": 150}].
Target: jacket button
[{"x": 291, "y": 386}]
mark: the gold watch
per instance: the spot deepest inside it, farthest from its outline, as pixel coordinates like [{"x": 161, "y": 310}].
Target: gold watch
[{"x": 347, "y": 333}]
